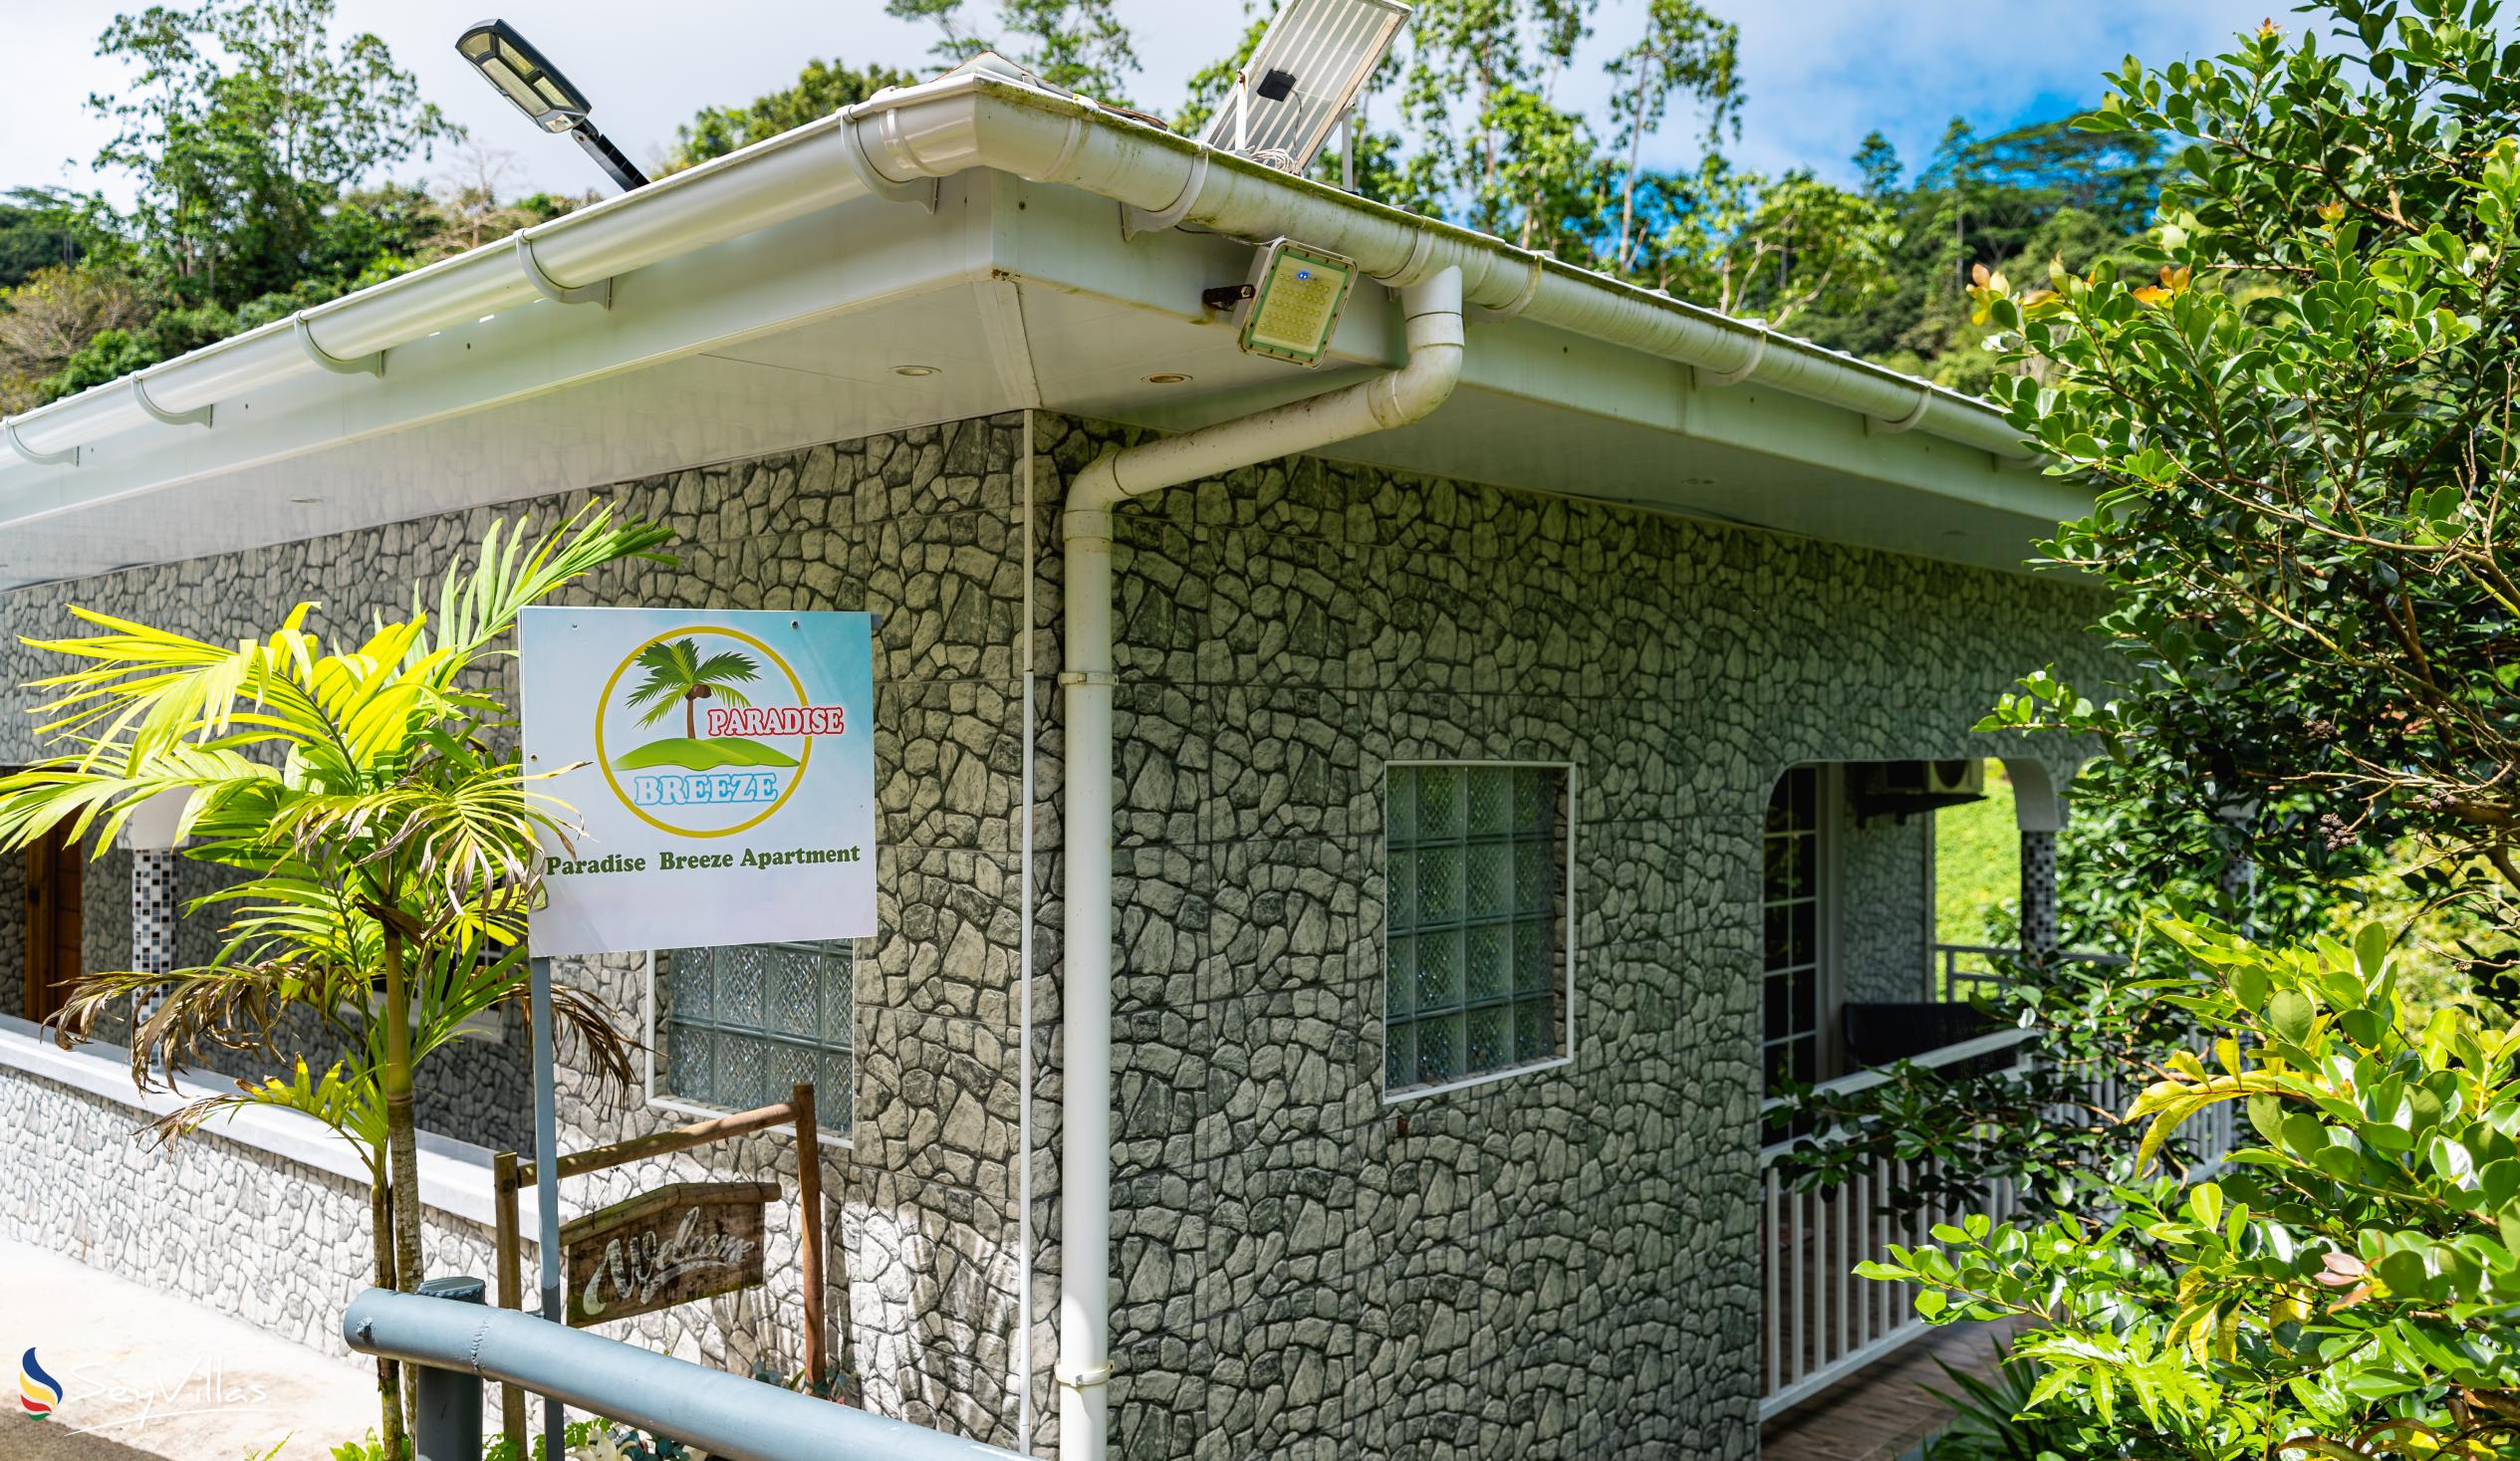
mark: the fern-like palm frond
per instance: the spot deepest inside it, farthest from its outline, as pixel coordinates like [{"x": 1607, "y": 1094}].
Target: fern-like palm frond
[
  {"x": 476, "y": 606},
  {"x": 347, "y": 1098},
  {"x": 351, "y": 789},
  {"x": 671, "y": 670},
  {"x": 723, "y": 672}
]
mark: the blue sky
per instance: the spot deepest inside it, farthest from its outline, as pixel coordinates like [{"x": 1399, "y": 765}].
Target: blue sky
[{"x": 1819, "y": 73}]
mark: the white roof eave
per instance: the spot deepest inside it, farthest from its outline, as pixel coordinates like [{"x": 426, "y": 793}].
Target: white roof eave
[{"x": 897, "y": 146}]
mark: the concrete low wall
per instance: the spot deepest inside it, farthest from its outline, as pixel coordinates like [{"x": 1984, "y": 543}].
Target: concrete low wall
[{"x": 200, "y": 1218}]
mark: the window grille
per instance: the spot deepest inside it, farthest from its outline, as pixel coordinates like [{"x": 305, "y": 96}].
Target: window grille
[
  {"x": 1476, "y": 954},
  {"x": 1789, "y": 902},
  {"x": 738, "y": 1026}
]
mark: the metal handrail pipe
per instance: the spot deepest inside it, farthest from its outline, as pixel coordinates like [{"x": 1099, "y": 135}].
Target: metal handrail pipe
[{"x": 727, "y": 1415}]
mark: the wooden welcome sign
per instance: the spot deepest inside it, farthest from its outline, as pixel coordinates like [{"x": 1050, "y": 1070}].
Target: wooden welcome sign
[{"x": 678, "y": 1243}]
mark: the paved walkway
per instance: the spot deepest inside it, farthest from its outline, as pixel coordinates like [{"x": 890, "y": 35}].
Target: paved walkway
[
  {"x": 144, "y": 1376},
  {"x": 1881, "y": 1411},
  {"x": 22, "y": 1439}
]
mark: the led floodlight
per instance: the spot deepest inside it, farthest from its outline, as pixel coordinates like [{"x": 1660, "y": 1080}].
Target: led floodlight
[{"x": 1295, "y": 296}]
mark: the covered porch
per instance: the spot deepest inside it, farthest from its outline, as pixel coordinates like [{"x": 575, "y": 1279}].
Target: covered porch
[
  {"x": 1843, "y": 1360},
  {"x": 1859, "y": 971}
]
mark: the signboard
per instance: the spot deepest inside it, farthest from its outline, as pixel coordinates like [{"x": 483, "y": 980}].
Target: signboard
[
  {"x": 671, "y": 1245},
  {"x": 723, "y": 775},
  {"x": 677, "y": 1244}
]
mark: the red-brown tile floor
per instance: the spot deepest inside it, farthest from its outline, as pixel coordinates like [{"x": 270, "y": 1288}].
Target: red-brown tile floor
[{"x": 1881, "y": 1411}]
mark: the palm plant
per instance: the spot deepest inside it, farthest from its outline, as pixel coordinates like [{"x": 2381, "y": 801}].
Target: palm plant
[
  {"x": 1992, "y": 1419},
  {"x": 382, "y": 847},
  {"x": 676, "y": 674}
]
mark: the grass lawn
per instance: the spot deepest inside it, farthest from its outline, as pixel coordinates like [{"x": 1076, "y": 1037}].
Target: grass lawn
[{"x": 1976, "y": 860}]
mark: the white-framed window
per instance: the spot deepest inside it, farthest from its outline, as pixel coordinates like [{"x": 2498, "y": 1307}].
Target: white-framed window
[
  {"x": 1794, "y": 907},
  {"x": 1478, "y": 937},
  {"x": 736, "y": 1027}
]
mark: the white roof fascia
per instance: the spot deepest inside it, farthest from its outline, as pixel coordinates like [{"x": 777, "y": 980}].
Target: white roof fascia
[{"x": 895, "y": 144}]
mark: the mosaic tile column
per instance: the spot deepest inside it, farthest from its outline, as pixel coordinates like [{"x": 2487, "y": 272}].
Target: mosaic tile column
[
  {"x": 152, "y": 919},
  {"x": 2239, "y": 889},
  {"x": 2038, "y": 896}
]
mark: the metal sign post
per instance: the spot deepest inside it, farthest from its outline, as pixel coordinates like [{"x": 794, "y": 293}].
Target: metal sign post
[{"x": 546, "y": 1184}]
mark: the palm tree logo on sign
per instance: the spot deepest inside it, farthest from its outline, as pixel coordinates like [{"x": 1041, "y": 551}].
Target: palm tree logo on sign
[{"x": 746, "y": 726}]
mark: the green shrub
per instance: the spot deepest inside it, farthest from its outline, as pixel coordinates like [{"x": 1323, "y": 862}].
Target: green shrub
[{"x": 2346, "y": 1288}]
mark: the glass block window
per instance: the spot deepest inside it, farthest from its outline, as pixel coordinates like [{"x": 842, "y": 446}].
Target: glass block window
[
  {"x": 1789, "y": 902},
  {"x": 737, "y": 1026},
  {"x": 1477, "y": 964}
]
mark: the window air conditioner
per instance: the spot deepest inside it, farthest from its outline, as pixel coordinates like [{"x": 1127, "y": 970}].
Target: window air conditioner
[{"x": 1904, "y": 788}]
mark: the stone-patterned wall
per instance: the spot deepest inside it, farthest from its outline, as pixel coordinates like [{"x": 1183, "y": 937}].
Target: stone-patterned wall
[
  {"x": 1884, "y": 905},
  {"x": 922, "y": 526},
  {"x": 478, "y": 1091},
  {"x": 1554, "y": 1264},
  {"x": 13, "y": 934}
]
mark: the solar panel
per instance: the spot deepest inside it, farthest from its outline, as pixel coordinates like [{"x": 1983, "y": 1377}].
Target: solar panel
[{"x": 1310, "y": 63}]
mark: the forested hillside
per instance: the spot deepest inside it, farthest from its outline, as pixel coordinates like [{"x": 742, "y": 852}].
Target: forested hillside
[{"x": 281, "y": 160}]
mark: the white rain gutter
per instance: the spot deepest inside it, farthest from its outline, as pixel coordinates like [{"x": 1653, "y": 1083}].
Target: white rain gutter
[
  {"x": 570, "y": 259},
  {"x": 1433, "y": 310},
  {"x": 897, "y": 144}
]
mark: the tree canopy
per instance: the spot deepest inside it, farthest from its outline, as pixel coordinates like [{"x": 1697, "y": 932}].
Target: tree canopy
[
  {"x": 2297, "y": 422},
  {"x": 262, "y": 148},
  {"x": 821, "y": 90},
  {"x": 2296, "y": 417},
  {"x": 246, "y": 125}
]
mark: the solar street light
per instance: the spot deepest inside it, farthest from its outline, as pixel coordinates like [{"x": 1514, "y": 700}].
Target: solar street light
[
  {"x": 1311, "y": 63},
  {"x": 510, "y": 62}
]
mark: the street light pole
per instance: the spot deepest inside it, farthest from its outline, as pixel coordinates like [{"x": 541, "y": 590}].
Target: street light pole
[{"x": 625, "y": 174}]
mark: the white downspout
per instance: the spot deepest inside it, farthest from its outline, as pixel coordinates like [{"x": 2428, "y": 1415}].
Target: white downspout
[{"x": 1395, "y": 398}]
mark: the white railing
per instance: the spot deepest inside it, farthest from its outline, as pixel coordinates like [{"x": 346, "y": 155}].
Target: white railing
[
  {"x": 1959, "y": 969},
  {"x": 1821, "y": 1322}
]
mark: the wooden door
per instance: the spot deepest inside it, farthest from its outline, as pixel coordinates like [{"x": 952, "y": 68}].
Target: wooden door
[{"x": 54, "y": 912}]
